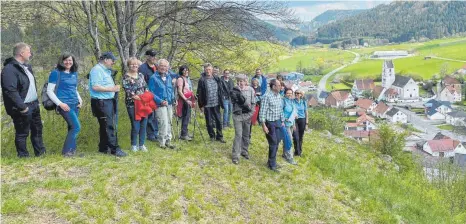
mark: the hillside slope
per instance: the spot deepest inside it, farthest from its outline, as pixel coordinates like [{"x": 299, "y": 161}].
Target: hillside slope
[
  {"x": 333, "y": 183},
  {"x": 327, "y": 17},
  {"x": 401, "y": 21}
]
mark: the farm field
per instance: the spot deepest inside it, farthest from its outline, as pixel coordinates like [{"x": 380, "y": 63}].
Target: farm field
[
  {"x": 415, "y": 66},
  {"x": 311, "y": 57},
  {"x": 454, "y": 48}
]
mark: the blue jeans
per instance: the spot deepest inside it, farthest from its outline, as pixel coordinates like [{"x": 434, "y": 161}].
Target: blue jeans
[
  {"x": 71, "y": 118},
  {"x": 137, "y": 127},
  {"x": 152, "y": 126},
  {"x": 227, "y": 109}
]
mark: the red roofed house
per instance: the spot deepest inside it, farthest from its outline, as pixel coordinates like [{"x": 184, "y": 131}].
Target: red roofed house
[
  {"x": 361, "y": 85},
  {"x": 339, "y": 99},
  {"x": 355, "y": 111},
  {"x": 390, "y": 95},
  {"x": 380, "y": 110},
  {"x": 450, "y": 94},
  {"x": 362, "y": 135},
  {"x": 444, "y": 148},
  {"x": 366, "y": 104},
  {"x": 363, "y": 123}
]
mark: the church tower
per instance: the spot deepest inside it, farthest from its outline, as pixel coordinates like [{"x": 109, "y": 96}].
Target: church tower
[{"x": 388, "y": 74}]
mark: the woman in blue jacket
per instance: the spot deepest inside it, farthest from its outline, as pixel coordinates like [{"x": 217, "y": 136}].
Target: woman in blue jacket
[
  {"x": 301, "y": 122},
  {"x": 67, "y": 98},
  {"x": 289, "y": 113}
]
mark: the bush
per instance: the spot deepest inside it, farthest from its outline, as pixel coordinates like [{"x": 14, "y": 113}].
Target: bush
[
  {"x": 326, "y": 119},
  {"x": 388, "y": 141}
]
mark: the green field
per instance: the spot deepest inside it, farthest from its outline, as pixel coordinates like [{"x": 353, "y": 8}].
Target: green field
[
  {"x": 312, "y": 57},
  {"x": 447, "y": 127},
  {"x": 416, "y": 66}
]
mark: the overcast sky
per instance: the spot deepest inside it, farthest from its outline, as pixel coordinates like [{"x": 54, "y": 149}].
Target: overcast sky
[{"x": 307, "y": 10}]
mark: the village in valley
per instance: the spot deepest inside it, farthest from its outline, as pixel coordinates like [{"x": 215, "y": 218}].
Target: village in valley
[{"x": 435, "y": 121}]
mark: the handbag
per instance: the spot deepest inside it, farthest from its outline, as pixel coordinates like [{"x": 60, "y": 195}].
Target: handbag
[{"x": 46, "y": 101}]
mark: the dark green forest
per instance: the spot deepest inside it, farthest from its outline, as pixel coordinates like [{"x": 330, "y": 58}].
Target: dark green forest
[{"x": 400, "y": 21}]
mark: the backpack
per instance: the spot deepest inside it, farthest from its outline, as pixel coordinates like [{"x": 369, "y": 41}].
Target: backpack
[{"x": 46, "y": 101}]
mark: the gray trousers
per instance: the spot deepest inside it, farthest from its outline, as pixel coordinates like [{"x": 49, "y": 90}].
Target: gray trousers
[
  {"x": 164, "y": 119},
  {"x": 241, "y": 142}
]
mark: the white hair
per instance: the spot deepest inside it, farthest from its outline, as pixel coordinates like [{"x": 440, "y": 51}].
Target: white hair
[{"x": 164, "y": 61}]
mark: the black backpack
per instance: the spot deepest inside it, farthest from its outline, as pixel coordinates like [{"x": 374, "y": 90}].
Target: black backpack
[{"x": 46, "y": 101}]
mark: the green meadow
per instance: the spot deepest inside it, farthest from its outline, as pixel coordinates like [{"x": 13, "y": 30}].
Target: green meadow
[
  {"x": 332, "y": 183},
  {"x": 416, "y": 66},
  {"x": 312, "y": 56}
]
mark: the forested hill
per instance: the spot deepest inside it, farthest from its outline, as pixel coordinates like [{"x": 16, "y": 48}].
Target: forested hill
[
  {"x": 401, "y": 21},
  {"x": 328, "y": 17}
]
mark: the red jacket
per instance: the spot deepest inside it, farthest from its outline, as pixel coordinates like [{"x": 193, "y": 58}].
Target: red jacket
[{"x": 145, "y": 106}]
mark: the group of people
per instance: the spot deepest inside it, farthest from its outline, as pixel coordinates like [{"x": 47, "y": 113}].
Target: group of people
[{"x": 153, "y": 95}]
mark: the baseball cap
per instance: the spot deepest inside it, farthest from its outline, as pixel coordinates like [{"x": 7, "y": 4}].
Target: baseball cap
[
  {"x": 108, "y": 55},
  {"x": 151, "y": 53}
]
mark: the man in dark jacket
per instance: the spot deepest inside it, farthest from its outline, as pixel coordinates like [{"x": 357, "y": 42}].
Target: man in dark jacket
[
  {"x": 227, "y": 106},
  {"x": 148, "y": 69},
  {"x": 209, "y": 95},
  {"x": 20, "y": 97}
]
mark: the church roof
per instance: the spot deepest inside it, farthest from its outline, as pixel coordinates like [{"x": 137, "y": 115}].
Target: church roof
[
  {"x": 401, "y": 81},
  {"x": 389, "y": 63}
]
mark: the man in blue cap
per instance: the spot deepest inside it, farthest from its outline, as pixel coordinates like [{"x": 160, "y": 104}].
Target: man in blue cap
[{"x": 102, "y": 89}]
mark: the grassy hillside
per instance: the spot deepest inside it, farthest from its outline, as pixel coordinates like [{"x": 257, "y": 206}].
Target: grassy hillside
[{"x": 333, "y": 183}]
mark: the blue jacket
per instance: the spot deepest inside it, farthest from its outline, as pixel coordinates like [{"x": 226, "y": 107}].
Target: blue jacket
[
  {"x": 289, "y": 111},
  {"x": 263, "y": 84},
  {"x": 161, "y": 90}
]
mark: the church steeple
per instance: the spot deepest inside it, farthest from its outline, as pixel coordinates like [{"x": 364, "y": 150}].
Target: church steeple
[{"x": 388, "y": 74}]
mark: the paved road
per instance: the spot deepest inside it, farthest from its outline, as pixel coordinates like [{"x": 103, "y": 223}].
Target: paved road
[
  {"x": 446, "y": 59},
  {"x": 429, "y": 129},
  {"x": 323, "y": 81}
]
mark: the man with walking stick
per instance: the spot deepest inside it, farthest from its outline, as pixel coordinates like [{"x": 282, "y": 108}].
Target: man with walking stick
[{"x": 102, "y": 90}]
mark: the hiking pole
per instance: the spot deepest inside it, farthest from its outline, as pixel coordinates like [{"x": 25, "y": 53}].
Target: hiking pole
[
  {"x": 196, "y": 123},
  {"x": 171, "y": 127}
]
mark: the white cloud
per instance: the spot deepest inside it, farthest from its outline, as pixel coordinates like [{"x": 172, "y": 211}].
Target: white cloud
[{"x": 307, "y": 13}]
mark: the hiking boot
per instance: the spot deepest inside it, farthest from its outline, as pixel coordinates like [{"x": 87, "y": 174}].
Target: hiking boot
[
  {"x": 134, "y": 148},
  {"x": 120, "y": 153},
  {"x": 236, "y": 162},
  {"x": 221, "y": 140},
  {"x": 169, "y": 145},
  {"x": 143, "y": 148},
  {"x": 187, "y": 138},
  {"x": 69, "y": 154},
  {"x": 274, "y": 169},
  {"x": 291, "y": 161}
]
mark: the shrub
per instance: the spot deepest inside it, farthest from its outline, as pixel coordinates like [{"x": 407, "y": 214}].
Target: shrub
[{"x": 326, "y": 119}]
